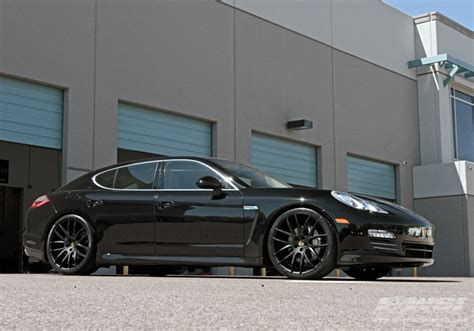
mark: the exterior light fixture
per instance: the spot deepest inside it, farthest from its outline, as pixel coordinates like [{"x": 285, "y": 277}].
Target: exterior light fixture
[
  {"x": 381, "y": 234},
  {"x": 299, "y": 125}
]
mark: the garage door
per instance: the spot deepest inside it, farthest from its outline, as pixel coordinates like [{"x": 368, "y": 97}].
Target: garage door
[
  {"x": 289, "y": 161},
  {"x": 30, "y": 114},
  {"x": 371, "y": 178},
  {"x": 155, "y": 132}
]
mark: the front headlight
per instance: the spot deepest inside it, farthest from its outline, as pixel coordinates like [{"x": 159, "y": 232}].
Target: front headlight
[{"x": 357, "y": 203}]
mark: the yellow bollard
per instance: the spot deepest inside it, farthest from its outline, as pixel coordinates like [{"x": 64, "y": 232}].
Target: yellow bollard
[
  {"x": 263, "y": 272},
  {"x": 125, "y": 270},
  {"x": 415, "y": 272},
  {"x": 232, "y": 271},
  {"x": 338, "y": 272}
]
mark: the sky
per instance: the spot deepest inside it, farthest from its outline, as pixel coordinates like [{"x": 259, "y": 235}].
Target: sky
[{"x": 462, "y": 11}]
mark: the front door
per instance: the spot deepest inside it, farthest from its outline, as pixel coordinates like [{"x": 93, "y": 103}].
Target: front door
[{"x": 192, "y": 221}]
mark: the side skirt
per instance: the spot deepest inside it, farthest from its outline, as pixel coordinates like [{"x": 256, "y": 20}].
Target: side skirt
[{"x": 214, "y": 261}]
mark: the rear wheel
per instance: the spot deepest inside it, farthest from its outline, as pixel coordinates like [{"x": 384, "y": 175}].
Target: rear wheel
[
  {"x": 368, "y": 273},
  {"x": 302, "y": 244},
  {"x": 70, "y": 246}
]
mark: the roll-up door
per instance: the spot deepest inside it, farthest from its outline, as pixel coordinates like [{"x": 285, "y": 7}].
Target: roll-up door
[
  {"x": 30, "y": 114},
  {"x": 371, "y": 178},
  {"x": 155, "y": 132},
  {"x": 292, "y": 162}
]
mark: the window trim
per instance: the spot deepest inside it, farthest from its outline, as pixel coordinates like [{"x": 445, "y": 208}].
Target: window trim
[
  {"x": 220, "y": 175},
  {"x": 453, "y": 99},
  {"x": 158, "y": 163}
]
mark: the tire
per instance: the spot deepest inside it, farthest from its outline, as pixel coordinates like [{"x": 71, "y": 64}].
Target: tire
[
  {"x": 367, "y": 273},
  {"x": 71, "y": 246},
  {"x": 302, "y": 244}
]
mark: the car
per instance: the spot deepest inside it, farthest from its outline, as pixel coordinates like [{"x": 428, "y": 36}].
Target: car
[{"x": 169, "y": 212}]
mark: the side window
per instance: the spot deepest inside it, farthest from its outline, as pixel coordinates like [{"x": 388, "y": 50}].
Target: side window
[
  {"x": 136, "y": 177},
  {"x": 106, "y": 179},
  {"x": 184, "y": 175}
]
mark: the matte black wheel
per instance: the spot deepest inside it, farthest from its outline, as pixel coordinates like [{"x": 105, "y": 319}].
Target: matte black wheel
[
  {"x": 302, "y": 244},
  {"x": 367, "y": 273},
  {"x": 70, "y": 246}
]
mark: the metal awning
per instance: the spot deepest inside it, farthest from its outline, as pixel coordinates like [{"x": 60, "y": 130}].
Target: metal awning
[{"x": 448, "y": 62}]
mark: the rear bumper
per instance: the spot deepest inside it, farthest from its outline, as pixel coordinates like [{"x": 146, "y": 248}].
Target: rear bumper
[
  {"x": 37, "y": 223},
  {"x": 36, "y": 254}
]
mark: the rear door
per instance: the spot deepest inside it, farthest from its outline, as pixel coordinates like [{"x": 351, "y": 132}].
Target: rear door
[{"x": 124, "y": 209}]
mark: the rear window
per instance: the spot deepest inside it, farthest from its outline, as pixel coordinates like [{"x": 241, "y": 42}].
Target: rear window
[
  {"x": 106, "y": 179},
  {"x": 136, "y": 177}
]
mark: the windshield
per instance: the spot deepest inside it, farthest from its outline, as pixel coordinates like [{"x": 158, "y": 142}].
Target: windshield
[{"x": 249, "y": 176}]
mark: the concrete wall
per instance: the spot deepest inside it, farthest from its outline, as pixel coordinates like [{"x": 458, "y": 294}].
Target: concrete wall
[
  {"x": 207, "y": 60},
  {"x": 437, "y": 34},
  {"x": 282, "y": 76},
  {"x": 375, "y": 117},
  {"x": 453, "y": 218},
  {"x": 364, "y": 28},
  {"x": 53, "y": 42}
]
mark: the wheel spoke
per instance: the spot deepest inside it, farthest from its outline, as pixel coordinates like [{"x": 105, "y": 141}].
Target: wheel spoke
[
  {"x": 290, "y": 227},
  {"x": 60, "y": 253},
  {"x": 63, "y": 230},
  {"x": 57, "y": 249},
  {"x": 282, "y": 249},
  {"x": 300, "y": 230},
  {"x": 308, "y": 259},
  {"x": 83, "y": 235},
  {"x": 314, "y": 252},
  {"x": 61, "y": 236},
  {"x": 281, "y": 240},
  {"x": 314, "y": 236},
  {"x": 306, "y": 221},
  {"x": 82, "y": 246},
  {"x": 58, "y": 242},
  {"x": 284, "y": 232},
  {"x": 293, "y": 262},
  {"x": 301, "y": 262},
  {"x": 64, "y": 259},
  {"x": 80, "y": 254},
  {"x": 292, "y": 253},
  {"x": 69, "y": 260},
  {"x": 318, "y": 246}
]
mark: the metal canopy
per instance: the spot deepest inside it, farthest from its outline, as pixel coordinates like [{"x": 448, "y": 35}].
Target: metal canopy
[{"x": 448, "y": 62}]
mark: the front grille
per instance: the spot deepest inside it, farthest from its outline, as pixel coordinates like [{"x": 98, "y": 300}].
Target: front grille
[
  {"x": 418, "y": 250},
  {"x": 385, "y": 247}
]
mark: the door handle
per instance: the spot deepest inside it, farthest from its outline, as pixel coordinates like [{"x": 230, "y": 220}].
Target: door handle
[
  {"x": 94, "y": 203},
  {"x": 165, "y": 204}
]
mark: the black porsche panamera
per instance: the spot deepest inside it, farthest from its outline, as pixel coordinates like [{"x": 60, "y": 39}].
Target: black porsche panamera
[{"x": 170, "y": 212}]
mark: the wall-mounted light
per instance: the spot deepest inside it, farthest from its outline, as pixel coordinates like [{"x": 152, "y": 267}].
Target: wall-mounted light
[{"x": 299, "y": 125}]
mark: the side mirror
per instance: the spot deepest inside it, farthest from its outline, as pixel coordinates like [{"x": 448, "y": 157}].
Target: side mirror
[{"x": 209, "y": 182}]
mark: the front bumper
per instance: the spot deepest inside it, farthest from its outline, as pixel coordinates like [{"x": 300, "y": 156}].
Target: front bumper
[
  {"x": 405, "y": 250},
  {"x": 412, "y": 245}
]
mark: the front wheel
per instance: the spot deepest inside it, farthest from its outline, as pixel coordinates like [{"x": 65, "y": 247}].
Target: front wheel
[
  {"x": 302, "y": 244},
  {"x": 70, "y": 246},
  {"x": 368, "y": 273}
]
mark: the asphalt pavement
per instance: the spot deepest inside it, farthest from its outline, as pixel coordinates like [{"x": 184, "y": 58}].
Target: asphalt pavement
[{"x": 49, "y": 301}]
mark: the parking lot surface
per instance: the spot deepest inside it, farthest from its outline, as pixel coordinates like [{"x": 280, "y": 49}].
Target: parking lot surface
[{"x": 51, "y": 301}]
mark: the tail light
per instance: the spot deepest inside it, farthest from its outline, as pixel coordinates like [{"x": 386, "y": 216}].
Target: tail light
[{"x": 40, "y": 201}]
